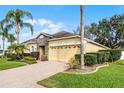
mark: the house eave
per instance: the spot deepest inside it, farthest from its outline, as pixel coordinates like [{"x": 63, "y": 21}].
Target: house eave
[{"x": 78, "y": 36}]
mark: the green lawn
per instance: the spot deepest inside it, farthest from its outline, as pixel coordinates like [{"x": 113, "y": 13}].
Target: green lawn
[
  {"x": 108, "y": 77},
  {"x": 4, "y": 64}
]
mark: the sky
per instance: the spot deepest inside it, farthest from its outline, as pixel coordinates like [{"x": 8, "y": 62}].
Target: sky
[
  {"x": 94, "y": 13},
  {"x": 52, "y": 19},
  {"x": 49, "y": 19}
]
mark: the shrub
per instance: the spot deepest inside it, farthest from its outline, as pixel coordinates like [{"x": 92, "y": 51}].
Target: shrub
[
  {"x": 73, "y": 63},
  {"x": 106, "y": 56},
  {"x": 89, "y": 59},
  {"x": 29, "y": 60},
  {"x": 27, "y": 54},
  {"x": 35, "y": 55},
  {"x": 100, "y": 56},
  {"x": 78, "y": 57},
  {"x": 12, "y": 57},
  {"x": 114, "y": 54}
]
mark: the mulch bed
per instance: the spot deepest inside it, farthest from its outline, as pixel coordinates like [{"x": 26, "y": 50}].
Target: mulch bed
[{"x": 87, "y": 69}]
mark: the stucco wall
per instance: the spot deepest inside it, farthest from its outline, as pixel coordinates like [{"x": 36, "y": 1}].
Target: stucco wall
[
  {"x": 29, "y": 48},
  {"x": 65, "y": 49},
  {"x": 90, "y": 47}
]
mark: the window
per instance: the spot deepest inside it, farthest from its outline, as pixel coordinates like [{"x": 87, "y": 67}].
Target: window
[
  {"x": 32, "y": 49},
  {"x": 35, "y": 49}
]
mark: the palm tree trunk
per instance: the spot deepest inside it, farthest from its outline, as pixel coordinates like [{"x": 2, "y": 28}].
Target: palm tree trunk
[
  {"x": 82, "y": 35},
  {"x": 17, "y": 32}
]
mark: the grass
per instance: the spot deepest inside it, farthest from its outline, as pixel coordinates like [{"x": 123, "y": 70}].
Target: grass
[
  {"x": 4, "y": 64},
  {"x": 108, "y": 77}
]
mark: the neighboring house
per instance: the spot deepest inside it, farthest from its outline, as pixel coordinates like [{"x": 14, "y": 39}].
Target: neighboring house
[{"x": 61, "y": 46}]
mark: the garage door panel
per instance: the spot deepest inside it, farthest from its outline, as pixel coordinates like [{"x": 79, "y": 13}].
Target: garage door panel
[{"x": 63, "y": 54}]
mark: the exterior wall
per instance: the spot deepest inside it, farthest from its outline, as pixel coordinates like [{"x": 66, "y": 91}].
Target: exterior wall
[
  {"x": 29, "y": 48},
  {"x": 43, "y": 41},
  {"x": 64, "y": 49},
  {"x": 90, "y": 47}
]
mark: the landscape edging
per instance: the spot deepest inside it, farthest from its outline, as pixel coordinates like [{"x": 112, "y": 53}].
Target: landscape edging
[{"x": 97, "y": 68}]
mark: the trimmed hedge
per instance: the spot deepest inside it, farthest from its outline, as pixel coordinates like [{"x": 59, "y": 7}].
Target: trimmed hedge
[
  {"x": 89, "y": 59},
  {"x": 106, "y": 56},
  {"x": 114, "y": 54},
  {"x": 100, "y": 56}
]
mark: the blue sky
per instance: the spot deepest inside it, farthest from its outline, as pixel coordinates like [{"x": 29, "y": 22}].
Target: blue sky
[
  {"x": 94, "y": 13},
  {"x": 51, "y": 19}
]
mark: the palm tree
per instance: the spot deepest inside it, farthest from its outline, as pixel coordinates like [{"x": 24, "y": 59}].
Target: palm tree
[
  {"x": 18, "y": 49},
  {"x": 4, "y": 32},
  {"x": 11, "y": 38},
  {"x": 82, "y": 35},
  {"x": 16, "y": 17}
]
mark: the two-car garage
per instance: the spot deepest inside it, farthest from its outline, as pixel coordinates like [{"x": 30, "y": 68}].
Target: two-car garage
[{"x": 64, "y": 49}]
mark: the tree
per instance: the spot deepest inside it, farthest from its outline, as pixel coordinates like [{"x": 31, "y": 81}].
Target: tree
[
  {"x": 11, "y": 38},
  {"x": 109, "y": 32},
  {"x": 77, "y": 31},
  {"x": 17, "y": 49},
  {"x": 4, "y": 32},
  {"x": 87, "y": 33},
  {"x": 82, "y": 35},
  {"x": 16, "y": 18}
]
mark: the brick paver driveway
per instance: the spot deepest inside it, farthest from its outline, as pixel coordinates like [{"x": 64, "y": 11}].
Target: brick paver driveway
[{"x": 27, "y": 76}]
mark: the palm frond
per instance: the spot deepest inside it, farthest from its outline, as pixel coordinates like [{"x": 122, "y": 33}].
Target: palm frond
[
  {"x": 29, "y": 26},
  {"x": 10, "y": 14}
]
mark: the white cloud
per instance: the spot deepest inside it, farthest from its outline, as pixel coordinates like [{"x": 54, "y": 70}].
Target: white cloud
[
  {"x": 45, "y": 25},
  {"x": 50, "y": 26},
  {"x": 33, "y": 22},
  {"x": 43, "y": 22}
]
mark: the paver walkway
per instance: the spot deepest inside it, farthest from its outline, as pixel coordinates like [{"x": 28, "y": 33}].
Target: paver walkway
[{"x": 27, "y": 76}]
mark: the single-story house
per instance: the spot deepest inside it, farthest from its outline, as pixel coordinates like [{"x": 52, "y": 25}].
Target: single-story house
[
  {"x": 61, "y": 46},
  {"x": 40, "y": 43}
]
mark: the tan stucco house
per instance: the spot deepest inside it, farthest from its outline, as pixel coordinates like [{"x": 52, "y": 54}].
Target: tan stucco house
[
  {"x": 63, "y": 49},
  {"x": 61, "y": 46}
]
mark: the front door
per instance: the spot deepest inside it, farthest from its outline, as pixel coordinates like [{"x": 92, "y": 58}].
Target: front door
[{"x": 42, "y": 52}]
